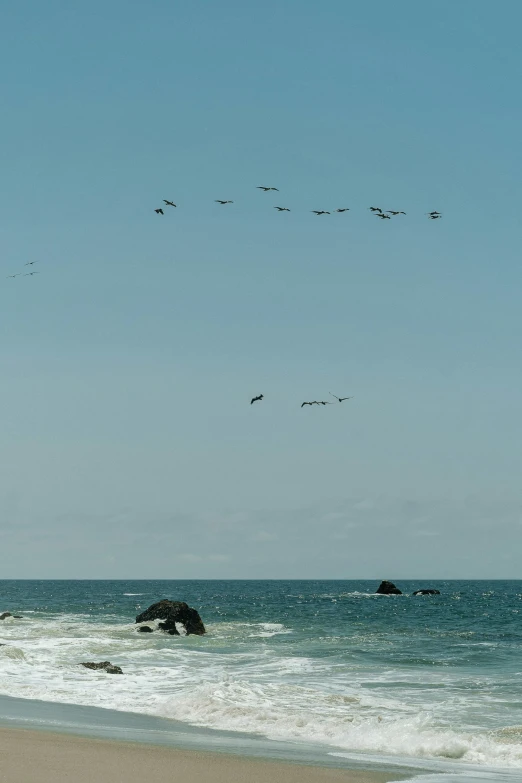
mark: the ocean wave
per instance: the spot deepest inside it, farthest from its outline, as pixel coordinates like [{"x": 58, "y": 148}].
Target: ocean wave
[
  {"x": 266, "y": 678},
  {"x": 236, "y": 706}
]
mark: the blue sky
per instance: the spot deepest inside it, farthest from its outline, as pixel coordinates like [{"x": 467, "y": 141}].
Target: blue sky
[{"x": 129, "y": 362}]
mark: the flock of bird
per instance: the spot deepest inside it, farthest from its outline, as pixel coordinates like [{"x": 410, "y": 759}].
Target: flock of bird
[
  {"x": 377, "y": 211},
  {"x": 26, "y": 274},
  {"x": 386, "y": 214},
  {"x": 312, "y": 402}
]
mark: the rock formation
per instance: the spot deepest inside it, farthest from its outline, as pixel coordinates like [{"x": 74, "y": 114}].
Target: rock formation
[
  {"x": 430, "y": 591},
  {"x": 8, "y": 614},
  {"x": 145, "y": 629},
  {"x": 172, "y": 612},
  {"x": 105, "y": 665},
  {"x": 388, "y": 588}
]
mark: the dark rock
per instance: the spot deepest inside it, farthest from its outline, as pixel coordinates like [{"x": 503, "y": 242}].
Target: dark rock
[
  {"x": 169, "y": 628},
  {"x": 4, "y": 615},
  {"x": 388, "y": 588},
  {"x": 145, "y": 629},
  {"x": 172, "y": 612},
  {"x": 104, "y": 665},
  {"x": 431, "y": 591}
]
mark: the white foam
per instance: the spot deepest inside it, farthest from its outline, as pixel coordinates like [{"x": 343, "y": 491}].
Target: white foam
[{"x": 234, "y": 681}]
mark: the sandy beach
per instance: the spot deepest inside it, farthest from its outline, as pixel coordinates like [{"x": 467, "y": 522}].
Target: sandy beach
[{"x": 43, "y": 757}]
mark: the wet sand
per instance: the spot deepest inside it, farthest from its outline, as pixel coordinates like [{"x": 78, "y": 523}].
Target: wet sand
[{"x": 43, "y": 757}]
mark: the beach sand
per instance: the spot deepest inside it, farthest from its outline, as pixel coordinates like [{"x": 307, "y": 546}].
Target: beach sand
[{"x": 43, "y": 757}]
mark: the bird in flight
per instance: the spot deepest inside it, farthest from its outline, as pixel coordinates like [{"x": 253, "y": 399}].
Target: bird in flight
[
  {"x": 393, "y": 212},
  {"x": 262, "y": 187},
  {"x": 375, "y": 209},
  {"x": 282, "y": 209},
  {"x": 256, "y": 399},
  {"x": 17, "y": 275},
  {"x": 309, "y": 403},
  {"x": 218, "y": 201},
  {"x": 320, "y": 212},
  {"x": 436, "y": 216},
  {"x": 169, "y": 203},
  {"x": 346, "y": 209},
  {"x": 30, "y": 263},
  {"x": 433, "y": 213},
  {"x": 159, "y": 211},
  {"x": 30, "y": 274},
  {"x": 340, "y": 399},
  {"x": 382, "y": 216}
]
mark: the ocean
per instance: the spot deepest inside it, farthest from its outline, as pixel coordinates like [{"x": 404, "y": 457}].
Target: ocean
[{"x": 430, "y": 684}]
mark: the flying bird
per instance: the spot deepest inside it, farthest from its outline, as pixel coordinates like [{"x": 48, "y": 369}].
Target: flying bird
[
  {"x": 340, "y": 399},
  {"x": 169, "y": 203},
  {"x": 433, "y": 213},
  {"x": 159, "y": 211},
  {"x": 375, "y": 209},
  {"x": 30, "y": 274},
  {"x": 393, "y": 212},
  {"x": 320, "y": 212},
  {"x": 218, "y": 201},
  {"x": 30, "y": 263},
  {"x": 322, "y": 402},
  {"x": 17, "y": 275},
  {"x": 346, "y": 209},
  {"x": 383, "y": 216},
  {"x": 262, "y": 187},
  {"x": 435, "y": 217},
  {"x": 282, "y": 209},
  {"x": 308, "y": 403},
  {"x": 256, "y": 399}
]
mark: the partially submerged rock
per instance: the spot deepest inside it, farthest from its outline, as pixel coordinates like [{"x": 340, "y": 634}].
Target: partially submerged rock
[
  {"x": 172, "y": 612},
  {"x": 388, "y": 588},
  {"x": 104, "y": 665},
  {"x": 145, "y": 629},
  {"x": 4, "y": 615},
  {"x": 430, "y": 591}
]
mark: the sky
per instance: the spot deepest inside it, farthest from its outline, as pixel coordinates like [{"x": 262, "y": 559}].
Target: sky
[{"x": 128, "y": 445}]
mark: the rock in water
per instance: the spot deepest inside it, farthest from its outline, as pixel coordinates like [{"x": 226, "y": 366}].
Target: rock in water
[
  {"x": 431, "y": 591},
  {"x": 105, "y": 665},
  {"x": 144, "y": 629},
  {"x": 4, "y": 615},
  {"x": 388, "y": 588},
  {"x": 172, "y": 612}
]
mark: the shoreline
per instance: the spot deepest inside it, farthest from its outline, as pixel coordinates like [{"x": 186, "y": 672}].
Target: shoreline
[
  {"x": 32, "y": 756},
  {"x": 85, "y": 722}
]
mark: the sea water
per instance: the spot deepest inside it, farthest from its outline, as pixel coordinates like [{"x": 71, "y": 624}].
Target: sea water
[{"x": 433, "y": 682}]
